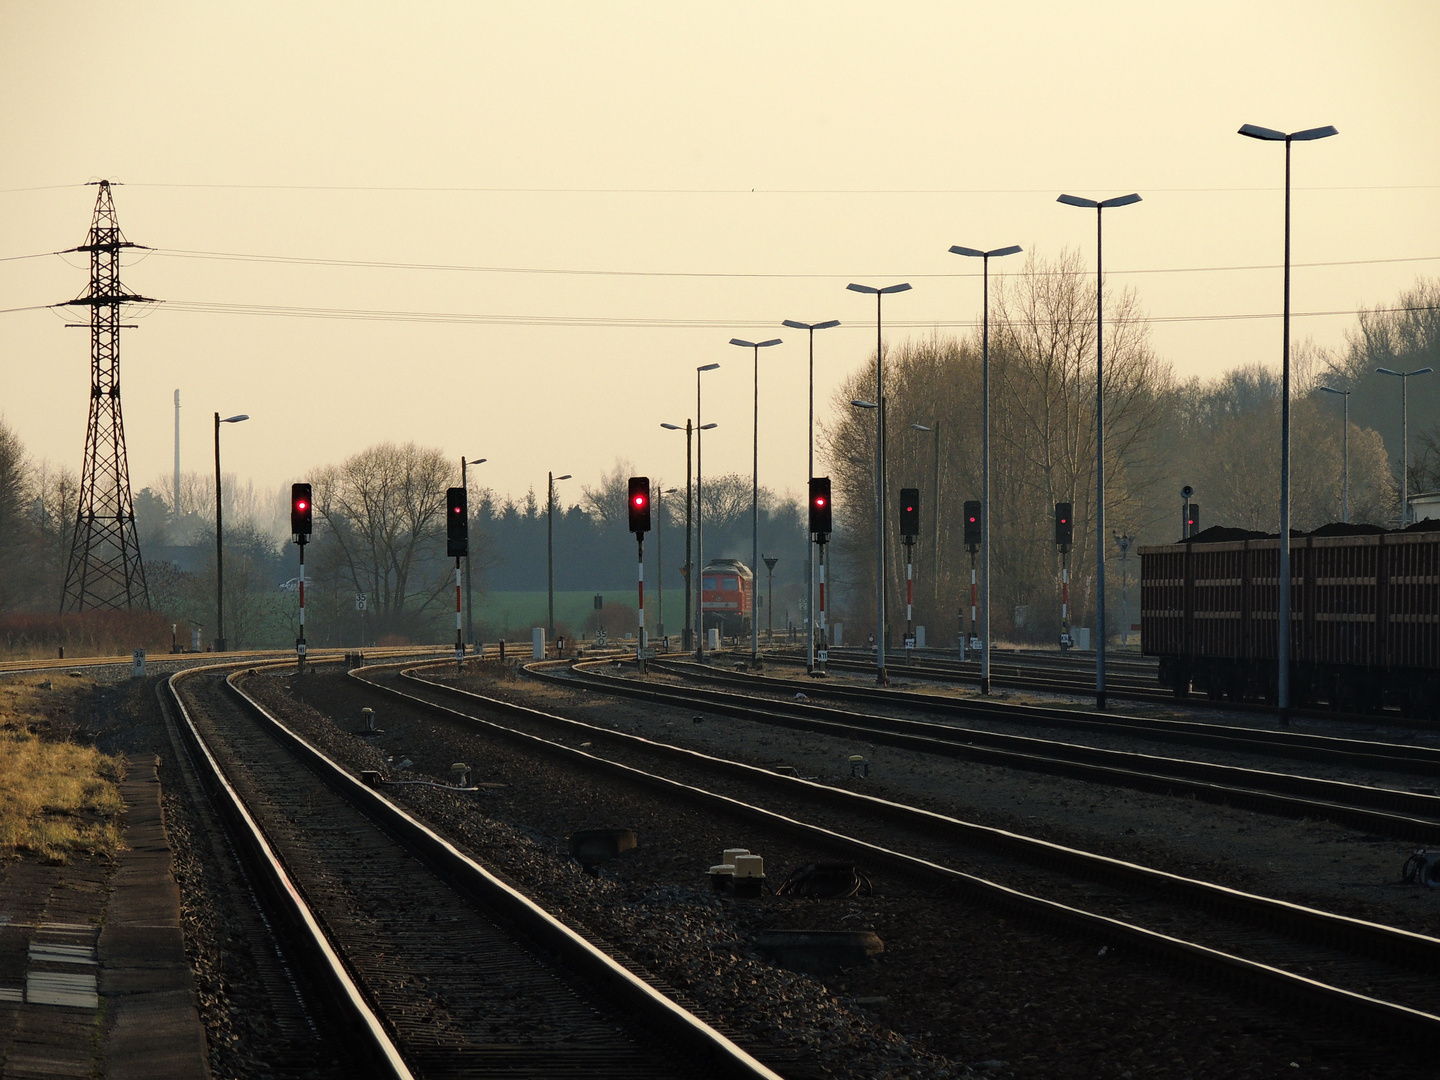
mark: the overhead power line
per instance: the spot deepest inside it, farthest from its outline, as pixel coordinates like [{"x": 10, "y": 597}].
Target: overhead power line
[
  {"x": 302, "y": 260},
  {"x": 524, "y": 190},
  {"x": 382, "y": 315}
]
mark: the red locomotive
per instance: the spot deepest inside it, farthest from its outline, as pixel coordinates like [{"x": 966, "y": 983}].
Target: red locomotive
[{"x": 727, "y": 597}]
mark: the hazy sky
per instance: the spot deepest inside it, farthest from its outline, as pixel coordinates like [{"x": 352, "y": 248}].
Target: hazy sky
[{"x": 562, "y": 209}]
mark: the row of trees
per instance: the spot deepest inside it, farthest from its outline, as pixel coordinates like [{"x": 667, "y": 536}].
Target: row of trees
[
  {"x": 1220, "y": 436},
  {"x": 380, "y": 532},
  {"x": 380, "y": 512}
]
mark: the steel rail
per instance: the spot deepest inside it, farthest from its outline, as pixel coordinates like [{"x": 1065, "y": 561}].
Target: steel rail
[
  {"x": 1355, "y": 805},
  {"x": 1418, "y": 951},
  {"x": 720, "y": 1056},
  {"x": 1395, "y": 757},
  {"x": 251, "y": 840}
]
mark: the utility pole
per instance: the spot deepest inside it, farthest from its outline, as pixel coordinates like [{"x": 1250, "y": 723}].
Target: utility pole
[{"x": 104, "y": 569}]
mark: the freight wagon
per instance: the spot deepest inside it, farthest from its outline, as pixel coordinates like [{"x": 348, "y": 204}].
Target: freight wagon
[
  {"x": 727, "y": 597},
  {"x": 1364, "y": 616}
]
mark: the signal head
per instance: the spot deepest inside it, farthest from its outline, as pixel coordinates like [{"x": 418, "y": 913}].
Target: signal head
[
  {"x": 302, "y": 513},
  {"x": 638, "y": 505}
]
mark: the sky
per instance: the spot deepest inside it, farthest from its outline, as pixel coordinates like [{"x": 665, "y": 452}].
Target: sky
[{"x": 514, "y": 231}]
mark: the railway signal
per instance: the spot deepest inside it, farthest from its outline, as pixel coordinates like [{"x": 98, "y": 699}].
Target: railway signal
[
  {"x": 302, "y": 513},
  {"x": 820, "y": 507},
  {"x": 1192, "y": 519},
  {"x": 972, "y": 524},
  {"x": 302, "y": 519},
  {"x": 910, "y": 513},
  {"x": 639, "y": 504},
  {"x": 1064, "y": 525},
  {"x": 457, "y": 543},
  {"x": 909, "y": 530},
  {"x": 820, "y": 529},
  {"x": 457, "y": 523}
]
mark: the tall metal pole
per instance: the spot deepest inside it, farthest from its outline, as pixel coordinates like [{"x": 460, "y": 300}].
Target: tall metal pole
[
  {"x": 1282, "y": 612},
  {"x": 881, "y": 678},
  {"x": 550, "y": 551},
  {"x": 1345, "y": 461},
  {"x": 700, "y": 519},
  {"x": 469, "y": 606},
  {"x": 175, "y": 506},
  {"x": 1013, "y": 249},
  {"x": 1099, "y": 467},
  {"x": 811, "y": 553},
  {"x": 689, "y": 561},
  {"x": 219, "y": 551},
  {"x": 755, "y": 520},
  {"x": 1098, "y": 207},
  {"x": 935, "y": 553},
  {"x": 985, "y": 489},
  {"x": 1404, "y": 452},
  {"x": 1282, "y": 628}
]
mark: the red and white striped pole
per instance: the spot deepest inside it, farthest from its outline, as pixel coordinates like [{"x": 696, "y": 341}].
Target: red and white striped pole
[
  {"x": 973, "y": 605},
  {"x": 459, "y": 637},
  {"x": 824, "y": 653},
  {"x": 640, "y": 592},
  {"x": 1064, "y": 604},
  {"x": 300, "y": 645}
]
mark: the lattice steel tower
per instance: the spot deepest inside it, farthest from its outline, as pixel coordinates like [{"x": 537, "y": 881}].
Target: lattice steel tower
[{"x": 104, "y": 568}]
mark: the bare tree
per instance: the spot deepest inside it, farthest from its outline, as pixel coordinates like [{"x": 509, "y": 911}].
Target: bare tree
[{"x": 384, "y": 512}]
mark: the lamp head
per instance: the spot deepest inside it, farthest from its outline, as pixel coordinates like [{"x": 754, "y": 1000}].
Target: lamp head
[
  {"x": 707, "y": 367},
  {"x": 235, "y": 419}
]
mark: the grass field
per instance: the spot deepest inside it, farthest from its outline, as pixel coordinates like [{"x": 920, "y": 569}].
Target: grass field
[
  {"x": 57, "y": 798},
  {"x": 512, "y": 614}
]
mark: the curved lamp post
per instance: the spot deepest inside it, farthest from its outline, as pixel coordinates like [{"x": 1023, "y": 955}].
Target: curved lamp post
[
  {"x": 881, "y": 678},
  {"x": 1013, "y": 249},
  {"x": 810, "y": 450},
  {"x": 700, "y": 519},
  {"x": 550, "y": 548},
  {"x": 1282, "y": 621},
  {"x": 465, "y": 483},
  {"x": 755, "y": 494},
  {"x": 219, "y": 544},
  {"x": 1099, "y": 207},
  {"x": 1404, "y": 377}
]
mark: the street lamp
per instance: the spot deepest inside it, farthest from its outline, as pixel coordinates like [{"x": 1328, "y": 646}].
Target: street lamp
[
  {"x": 550, "y": 546},
  {"x": 810, "y": 449},
  {"x": 465, "y": 483},
  {"x": 1282, "y": 612},
  {"x": 1404, "y": 377},
  {"x": 755, "y": 491},
  {"x": 700, "y": 519},
  {"x": 956, "y": 249},
  {"x": 689, "y": 507},
  {"x": 1099, "y": 207},
  {"x": 219, "y": 531},
  {"x": 660, "y": 554},
  {"x": 880, "y": 677},
  {"x": 1344, "y": 451}
]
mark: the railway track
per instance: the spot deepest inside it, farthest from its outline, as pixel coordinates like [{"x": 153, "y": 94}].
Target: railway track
[
  {"x": 412, "y": 960},
  {"x": 1405, "y": 814},
  {"x": 1075, "y": 676},
  {"x": 1367, "y": 973}
]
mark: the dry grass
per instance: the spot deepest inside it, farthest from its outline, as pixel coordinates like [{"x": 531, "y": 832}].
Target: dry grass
[{"x": 57, "y": 799}]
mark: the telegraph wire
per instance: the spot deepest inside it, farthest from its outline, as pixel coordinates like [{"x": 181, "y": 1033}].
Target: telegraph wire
[{"x": 376, "y": 264}]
